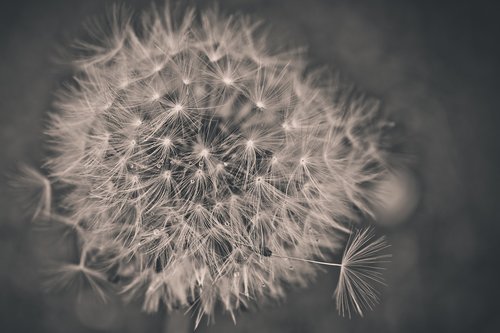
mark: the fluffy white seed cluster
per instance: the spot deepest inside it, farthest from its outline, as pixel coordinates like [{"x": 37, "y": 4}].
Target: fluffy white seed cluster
[{"x": 197, "y": 163}]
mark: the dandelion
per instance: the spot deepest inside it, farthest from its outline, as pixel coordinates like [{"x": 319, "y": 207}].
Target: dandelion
[{"x": 200, "y": 166}]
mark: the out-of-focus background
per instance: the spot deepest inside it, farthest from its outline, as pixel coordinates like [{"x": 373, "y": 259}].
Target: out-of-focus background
[{"x": 434, "y": 66}]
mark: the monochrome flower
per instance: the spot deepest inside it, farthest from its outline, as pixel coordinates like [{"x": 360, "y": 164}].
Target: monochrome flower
[{"x": 201, "y": 166}]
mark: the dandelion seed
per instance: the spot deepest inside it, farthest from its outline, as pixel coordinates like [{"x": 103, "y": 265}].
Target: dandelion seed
[
  {"x": 167, "y": 142},
  {"x": 155, "y": 96},
  {"x": 123, "y": 84},
  {"x": 204, "y": 152},
  {"x": 137, "y": 122},
  {"x": 260, "y": 105},
  {"x": 360, "y": 272},
  {"x": 73, "y": 276},
  {"x": 177, "y": 108},
  {"x": 35, "y": 190},
  {"x": 157, "y": 68},
  {"x": 227, "y": 80}
]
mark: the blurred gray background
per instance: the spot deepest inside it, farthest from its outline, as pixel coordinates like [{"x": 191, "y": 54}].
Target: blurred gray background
[{"x": 434, "y": 65}]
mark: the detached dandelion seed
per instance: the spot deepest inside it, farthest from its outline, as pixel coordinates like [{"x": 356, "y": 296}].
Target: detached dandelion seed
[
  {"x": 360, "y": 271},
  {"x": 204, "y": 167}
]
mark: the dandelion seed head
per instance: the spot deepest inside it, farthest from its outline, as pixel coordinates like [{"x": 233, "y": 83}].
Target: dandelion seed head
[{"x": 188, "y": 183}]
